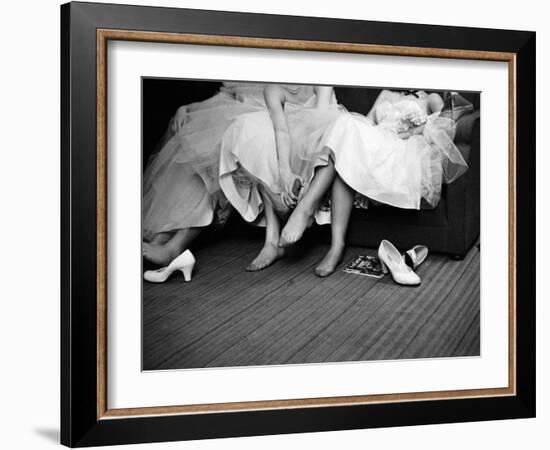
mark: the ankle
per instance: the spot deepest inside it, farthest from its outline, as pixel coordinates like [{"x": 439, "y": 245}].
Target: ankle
[
  {"x": 272, "y": 237},
  {"x": 306, "y": 208}
]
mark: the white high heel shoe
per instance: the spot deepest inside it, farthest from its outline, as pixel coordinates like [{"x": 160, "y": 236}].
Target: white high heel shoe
[
  {"x": 184, "y": 262},
  {"x": 393, "y": 261},
  {"x": 416, "y": 256}
]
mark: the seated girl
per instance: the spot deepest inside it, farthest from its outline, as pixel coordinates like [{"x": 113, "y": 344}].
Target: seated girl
[
  {"x": 264, "y": 165},
  {"x": 181, "y": 192},
  {"x": 399, "y": 154}
]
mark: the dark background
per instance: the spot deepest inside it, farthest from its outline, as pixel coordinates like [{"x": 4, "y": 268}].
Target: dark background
[{"x": 161, "y": 98}]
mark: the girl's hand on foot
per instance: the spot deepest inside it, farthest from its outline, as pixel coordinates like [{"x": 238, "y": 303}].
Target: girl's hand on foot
[{"x": 291, "y": 192}]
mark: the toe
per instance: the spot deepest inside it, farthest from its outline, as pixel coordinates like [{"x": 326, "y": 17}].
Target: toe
[
  {"x": 254, "y": 266},
  {"x": 285, "y": 240},
  {"x": 320, "y": 272}
]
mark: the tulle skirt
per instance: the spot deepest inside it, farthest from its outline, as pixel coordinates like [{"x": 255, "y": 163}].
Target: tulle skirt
[
  {"x": 181, "y": 182},
  {"x": 249, "y": 161},
  {"x": 308, "y": 127},
  {"x": 379, "y": 165}
]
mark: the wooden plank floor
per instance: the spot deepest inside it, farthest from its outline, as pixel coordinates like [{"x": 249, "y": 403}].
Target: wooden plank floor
[{"x": 287, "y": 315}]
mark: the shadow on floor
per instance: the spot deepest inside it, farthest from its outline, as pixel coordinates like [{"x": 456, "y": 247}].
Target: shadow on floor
[{"x": 49, "y": 434}]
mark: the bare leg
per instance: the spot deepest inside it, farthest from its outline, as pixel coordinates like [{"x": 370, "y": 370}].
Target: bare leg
[
  {"x": 161, "y": 238},
  {"x": 162, "y": 254},
  {"x": 302, "y": 216},
  {"x": 342, "y": 203},
  {"x": 270, "y": 251}
]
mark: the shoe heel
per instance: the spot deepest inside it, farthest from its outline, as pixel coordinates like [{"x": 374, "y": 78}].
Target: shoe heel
[
  {"x": 384, "y": 267},
  {"x": 187, "y": 271}
]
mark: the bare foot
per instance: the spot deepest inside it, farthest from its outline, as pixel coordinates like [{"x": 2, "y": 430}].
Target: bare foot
[
  {"x": 267, "y": 256},
  {"x": 331, "y": 260},
  {"x": 294, "y": 229},
  {"x": 158, "y": 254}
]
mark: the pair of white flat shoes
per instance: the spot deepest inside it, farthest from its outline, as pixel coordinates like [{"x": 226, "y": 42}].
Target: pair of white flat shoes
[
  {"x": 402, "y": 267},
  {"x": 185, "y": 263}
]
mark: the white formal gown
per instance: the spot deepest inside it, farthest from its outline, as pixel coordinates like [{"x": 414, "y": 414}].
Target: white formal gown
[
  {"x": 181, "y": 182},
  {"x": 372, "y": 158},
  {"x": 249, "y": 154}
]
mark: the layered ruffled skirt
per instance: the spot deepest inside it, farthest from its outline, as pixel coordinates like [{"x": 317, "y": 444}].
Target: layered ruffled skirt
[
  {"x": 378, "y": 164},
  {"x": 249, "y": 161},
  {"x": 181, "y": 182}
]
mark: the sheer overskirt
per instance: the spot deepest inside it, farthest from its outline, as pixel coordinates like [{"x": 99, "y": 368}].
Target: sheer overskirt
[
  {"x": 181, "y": 182},
  {"x": 249, "y": 161},
  {"x": 381, "y": 166}
]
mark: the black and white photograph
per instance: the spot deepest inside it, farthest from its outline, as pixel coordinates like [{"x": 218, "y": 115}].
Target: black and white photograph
[
  {"x": 278, "y": 225},
  {"x": 308, "y": 224}
]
